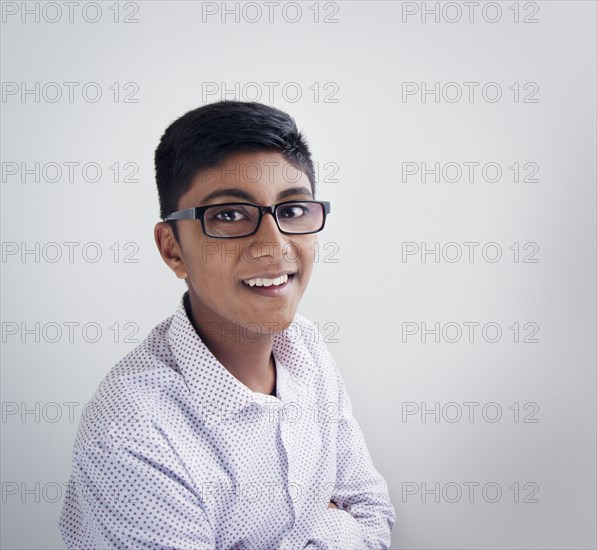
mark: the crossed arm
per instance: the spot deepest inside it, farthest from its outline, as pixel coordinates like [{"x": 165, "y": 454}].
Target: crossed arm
[
  {"x": 122, "y": 497},
  {"x": 134, "y": 493}
]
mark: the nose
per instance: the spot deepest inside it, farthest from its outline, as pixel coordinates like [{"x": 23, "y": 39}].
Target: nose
[
  {"x": 269, "y": 228},
  {"x": 269, "y": 235}
]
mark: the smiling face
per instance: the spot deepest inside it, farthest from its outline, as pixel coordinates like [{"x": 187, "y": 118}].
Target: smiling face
[{"x": 215, "y": 269}]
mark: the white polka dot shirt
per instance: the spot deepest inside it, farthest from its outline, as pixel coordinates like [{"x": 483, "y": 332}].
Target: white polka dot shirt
[{"x": 175, "y": 452}]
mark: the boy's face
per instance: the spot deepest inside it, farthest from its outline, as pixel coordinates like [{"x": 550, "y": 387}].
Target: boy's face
[{"x": 216, "y": 268}]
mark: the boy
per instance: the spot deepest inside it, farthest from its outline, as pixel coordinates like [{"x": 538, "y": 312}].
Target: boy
[{"x": 229, "y": 426}]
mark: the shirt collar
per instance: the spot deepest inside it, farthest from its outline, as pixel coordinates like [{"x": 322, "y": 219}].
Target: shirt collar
[{"x": 214, "y": 388}]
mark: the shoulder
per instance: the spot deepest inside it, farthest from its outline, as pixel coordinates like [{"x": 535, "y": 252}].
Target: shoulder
[
  {"x": 134, "y": 393},
  {"x": 328, "y": 376}
]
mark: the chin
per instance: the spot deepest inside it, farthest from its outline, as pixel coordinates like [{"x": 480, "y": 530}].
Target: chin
[{"x": 277, "y": 323}]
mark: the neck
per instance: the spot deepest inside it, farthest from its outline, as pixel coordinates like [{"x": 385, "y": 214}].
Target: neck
[{"x": 248, "y": 357}]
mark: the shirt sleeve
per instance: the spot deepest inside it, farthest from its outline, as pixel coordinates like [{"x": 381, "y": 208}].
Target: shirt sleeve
[
  {"x": 337, "y": 529},
  {"x": 131, "y": 495},
  {"x": 366, "y": 516}
]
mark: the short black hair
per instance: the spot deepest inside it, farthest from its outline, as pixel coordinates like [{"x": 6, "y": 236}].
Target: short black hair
[{"x": 205, "y": 137}]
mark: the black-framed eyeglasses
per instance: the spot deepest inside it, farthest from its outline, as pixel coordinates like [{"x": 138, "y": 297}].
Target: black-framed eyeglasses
[{"x": 231, "y": 220}]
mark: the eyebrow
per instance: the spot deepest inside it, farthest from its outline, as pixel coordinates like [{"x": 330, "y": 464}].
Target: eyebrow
[{"x": 240, "y": 194}]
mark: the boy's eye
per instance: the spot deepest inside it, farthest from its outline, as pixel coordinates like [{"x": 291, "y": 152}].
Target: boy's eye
[
  {"x": 229, "y": 215},
  {"x": 293, "y": 211}
]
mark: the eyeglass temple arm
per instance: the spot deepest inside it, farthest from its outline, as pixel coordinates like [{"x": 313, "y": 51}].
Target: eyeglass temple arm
[{"x": 186, "y": 214}]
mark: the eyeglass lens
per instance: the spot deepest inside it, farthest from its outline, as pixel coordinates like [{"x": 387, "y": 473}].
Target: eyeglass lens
[{"x": 241, "y": 219}]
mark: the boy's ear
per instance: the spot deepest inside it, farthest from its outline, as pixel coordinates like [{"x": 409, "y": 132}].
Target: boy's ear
[{"x": 169, "y": 249}]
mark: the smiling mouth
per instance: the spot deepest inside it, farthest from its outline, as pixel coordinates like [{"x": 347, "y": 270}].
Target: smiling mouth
[
  {"x": 269, "y": 287},
  {"x": 265, "y": 282}
]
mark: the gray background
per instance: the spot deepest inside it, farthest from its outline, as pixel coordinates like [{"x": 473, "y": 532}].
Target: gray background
[{"x": 361, "y": 301}]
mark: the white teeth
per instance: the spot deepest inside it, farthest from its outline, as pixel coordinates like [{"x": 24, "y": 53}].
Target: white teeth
[{"x": 261, "y": 281}]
